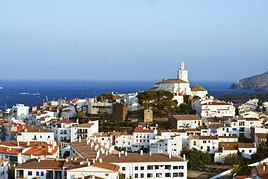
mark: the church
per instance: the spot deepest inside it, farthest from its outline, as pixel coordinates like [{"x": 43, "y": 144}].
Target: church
[{"x": 180, "y": 86}]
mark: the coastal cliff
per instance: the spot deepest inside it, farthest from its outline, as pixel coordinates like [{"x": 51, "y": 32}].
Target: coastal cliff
[{"x": 256, "y": 82}]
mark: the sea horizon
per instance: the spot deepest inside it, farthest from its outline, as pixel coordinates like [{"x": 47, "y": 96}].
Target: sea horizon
[{"x": 33, "y": 92}]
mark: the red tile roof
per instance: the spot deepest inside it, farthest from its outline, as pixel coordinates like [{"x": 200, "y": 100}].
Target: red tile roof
[{"x": 142, "y": 130}]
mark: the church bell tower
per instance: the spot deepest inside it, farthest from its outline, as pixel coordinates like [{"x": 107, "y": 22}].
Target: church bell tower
[{"x": 182, "y": 73}]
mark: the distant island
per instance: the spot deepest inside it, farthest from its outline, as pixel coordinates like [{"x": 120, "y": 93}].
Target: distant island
[{"x": 256, "y": 82}]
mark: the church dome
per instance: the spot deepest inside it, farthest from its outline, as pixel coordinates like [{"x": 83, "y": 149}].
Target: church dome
[{"x": 198, "y": 88}]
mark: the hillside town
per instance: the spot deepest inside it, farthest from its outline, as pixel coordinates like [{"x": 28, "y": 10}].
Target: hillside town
[{"x": 173, "y": 130}]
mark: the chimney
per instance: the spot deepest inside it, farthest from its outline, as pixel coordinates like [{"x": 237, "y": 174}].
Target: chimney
[
  {"x": 93, "y": 161},
  {"x": 119, "y": 154},
  {"x": 184, "y": 157},
  {"x": 87, "y": 142},
  {"x": 100, "y": 160},
  {"x": 79, "y": 139},
  {"x": 141, "y": 152},
  {"x": 169, "y": 155},
  {"x": 150, "y": 153},
  {"x": 66, "y": 160},
  {"x": 38, "y": 160},
  {"x": 263, "y": 167},
  {"x": 125, "y": 153}
]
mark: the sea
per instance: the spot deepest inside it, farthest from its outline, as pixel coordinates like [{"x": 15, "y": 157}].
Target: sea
[{"x": 32, "y": 92}]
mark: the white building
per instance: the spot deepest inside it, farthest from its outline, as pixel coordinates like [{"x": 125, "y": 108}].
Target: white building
[
  {"x": 199, "y": 91},
  {"x": 141, "y": 138},
  {"x": 65, "y": 169},
  {"x": 213, "y": 108},
  {"x": 241, "y": 126},
  {"x": 179, "y": 85},
  {"x": 207, "y": 144},
  {"x": 21, "y": 111},
  {"x": 185, "y": 121},
  {"x": 232, "y": 148},
  {"x": 84, "y": 131},
  {"x": 94, "y": 170},
  {"x": 34, "y": 133},
  {"x": 135, "y": 165},
  {"x": 172, "y": 145},
  {"x": 62, "y": 129}
]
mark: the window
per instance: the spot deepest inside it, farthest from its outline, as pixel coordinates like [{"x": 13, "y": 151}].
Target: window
[
  {"x": 136, "y": 175},
  {"x": 175, "y": 174},
  {"x": 250, "y": 151},
  {"x": 159, "y": 175},
  {"x": 136, "y": 168},
  {"x": 243, "y": 151},
  {"x": 149, "y": 175},
  {"x": 150, "y": 167},
  {"x": 167, "y": 167},
  {"x": 167, "y": 175},
  {"x": 181, "y": 167},
  {"x": 204, "y": 141},
  {"x": 42, "y": 173},
  {"x": 142, "y": 168},
  {"x": 175, "y": 167},
  {"x": 156, "y": 167},
  {"x": 181, "y": 174},
  {"x": 123, "y": 168},
  {"x": 234, "y": 129},
  {"x": 142, "y": 175},
  {"x": 37, "y": 173},
  {"x": 194, "y": 142},
  {"x": 30, "y": 173}
]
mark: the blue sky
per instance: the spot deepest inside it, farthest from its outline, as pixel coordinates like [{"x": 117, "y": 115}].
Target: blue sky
[{"x": 133, "y": 40}]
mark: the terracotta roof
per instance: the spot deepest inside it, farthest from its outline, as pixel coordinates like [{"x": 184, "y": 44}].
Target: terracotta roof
[
  {"x": 108, "y": 166},
  {"x": 34, "y": 129},
  {"x": 172, "y": 81},
  {"x": 142, "y": 130},
  {"x": 7, "y": 150},
  {"x": 186, "y": 117},
  {"x": 85, "y": 125},
  {"x": 235, "y": 145},
  {"x": 42, "y": 164},
  {"x": 261, "y": 135},
  {"x": 138, "y": 158},
  {"x": 40, "y": 151},
  {"x": 249, "y": 119},
  {"x": 12, "y": 143},
  {"x": 198, "y": 88},
  {"x": 216, "y": 103},
  {"x": 84, "y": 149},
  {"x": 65, "y": 121},
  {"x": 205, "y": 137}
]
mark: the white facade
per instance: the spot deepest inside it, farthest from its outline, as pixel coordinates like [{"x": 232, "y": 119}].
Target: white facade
[
  {"x": 141, "y": 138},
  {"x": 21, "y": 111},
  {"x": 150, "y": 166},
  {"x": 206, "y": 144},
  {"x": 213, "y": 108},
  {"x": 36, "y": 136},
  {"x": 172, "y": 145},
  {"x": 92, "y": 171},
  {"x": 84, "y": 131}
]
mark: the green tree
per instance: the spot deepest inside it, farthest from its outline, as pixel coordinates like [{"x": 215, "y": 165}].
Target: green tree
[
  {"x": 156, "y": 99},
  {"x": 185, "y": 109},
  {"x": 197, "y": 158}
]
